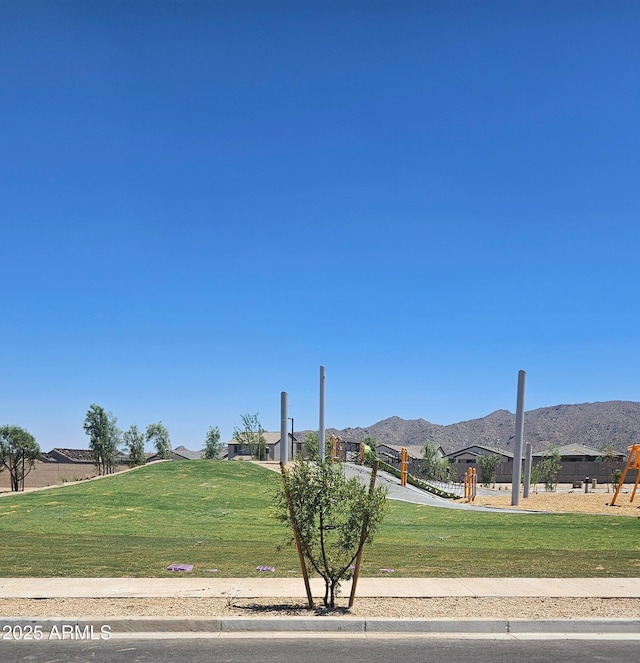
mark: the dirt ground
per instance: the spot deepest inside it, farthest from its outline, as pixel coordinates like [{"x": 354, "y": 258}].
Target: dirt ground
[
  {"x": 463, "y": 607},
  {"x": 570, "y": 501}
]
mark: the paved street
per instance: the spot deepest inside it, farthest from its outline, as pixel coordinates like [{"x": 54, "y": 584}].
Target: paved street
[{"x": 321, "y": 650}]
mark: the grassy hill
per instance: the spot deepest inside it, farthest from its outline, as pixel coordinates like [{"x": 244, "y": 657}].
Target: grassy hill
[{"x": 219, "y": 515}]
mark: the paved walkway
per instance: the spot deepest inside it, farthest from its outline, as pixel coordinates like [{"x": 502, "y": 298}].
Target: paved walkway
[
  {"x": 415, "y": 495},
  {"x": 41, "y": 588}
]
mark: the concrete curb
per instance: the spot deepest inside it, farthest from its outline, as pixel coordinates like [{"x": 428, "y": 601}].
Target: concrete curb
[{"x": 103, "y": 629}]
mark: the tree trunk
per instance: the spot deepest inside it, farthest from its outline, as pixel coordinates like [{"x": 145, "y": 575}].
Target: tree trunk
[{"x": 330, "y": 586}]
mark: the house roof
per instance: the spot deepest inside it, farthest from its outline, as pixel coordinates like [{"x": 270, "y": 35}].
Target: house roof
[
  {"x": 72, "y": 455},
  {"x": 269, "y": 438},
  {"x": 414, "y": 450},
  {"x": 575, "y": 450},
  {"x": 187, "y": 453},
  {"x": 473, "y": 447}
]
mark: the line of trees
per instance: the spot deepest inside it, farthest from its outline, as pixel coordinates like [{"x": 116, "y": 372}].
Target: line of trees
[
  {"x": 19, "y": 449},
  {"x": 105, "y": 439}
]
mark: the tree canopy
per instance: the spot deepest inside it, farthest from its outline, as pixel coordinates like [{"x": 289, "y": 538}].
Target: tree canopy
[
  {"x": 549, "y": 467},
  {"x": 488, "y": 468},
  {"x": 250, "y": 436},
  {"x": 104, "y": 437},
  {"x": 433, "y": 466},
  {"x": 159, "y": 434},
  {"x": 18, "y": 453},
  {"x": 212, "y": 444},
  {"x": 134, "y": 441}
]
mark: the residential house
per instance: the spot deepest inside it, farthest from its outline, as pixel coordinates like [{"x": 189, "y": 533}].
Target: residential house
[
  {"x": 462, "y": 459},
  {"x": 238, "y": 451},
  {"x": 59, "y": 465},
  {"x": 577, "y": 462}
]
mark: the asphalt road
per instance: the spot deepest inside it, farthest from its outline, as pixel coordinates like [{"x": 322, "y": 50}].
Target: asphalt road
[{"x": 321, "y": 650}]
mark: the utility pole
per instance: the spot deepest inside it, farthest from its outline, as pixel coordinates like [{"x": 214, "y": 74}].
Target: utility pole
[
  {"x": 519, "y": 434},
  {"x": 323, "y": 379},
  {"x": 284, "y": 422}
]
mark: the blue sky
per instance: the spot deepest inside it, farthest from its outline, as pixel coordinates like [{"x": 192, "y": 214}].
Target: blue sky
[{"x": 203, "y": 202}]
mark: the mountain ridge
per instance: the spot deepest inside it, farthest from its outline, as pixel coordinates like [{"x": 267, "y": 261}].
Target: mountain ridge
[{"x": 593, "y": 424}]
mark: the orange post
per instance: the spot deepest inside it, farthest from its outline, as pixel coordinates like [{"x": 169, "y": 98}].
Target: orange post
[
  {"x": 470, "y": 484},
  {"x": 474, "y": 476},
  {"x": 404, "y": 466},
  {"x": 633, "y": 463},
  {"x": 361, "y": 453}
]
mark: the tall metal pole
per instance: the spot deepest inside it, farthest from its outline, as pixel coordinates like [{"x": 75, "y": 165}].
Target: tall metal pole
[
  {"x": 284, "y": 423},
  {"x": 528, "y": 455},
  {"x": 323, "y": 379},
  {"x": 517, "y": 447}
]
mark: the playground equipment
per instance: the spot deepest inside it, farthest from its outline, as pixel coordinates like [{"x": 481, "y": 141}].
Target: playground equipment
[
  {"x": 633, "y": 463},
  {"x": 470, "y": 484},
  {"x": 404, "y": 466},
  {"x": 336, "y": 448}
]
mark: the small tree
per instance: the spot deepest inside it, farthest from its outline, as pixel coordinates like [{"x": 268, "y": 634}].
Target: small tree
[
  {"x": 104, "y": 437},
  {"x": 334, "y": 517},
  {"x": 549, "y": 467},
  {"x": 488, "y": 468},
  {"x": 160, "y": 437},
  {"x": 212, "y": 444},
  {"x": 18, "y": 454},
  {"x": 433, "y": 466},
  {"x": 609, "y": 457},
  {"x": 250, "y": 436},
  {"x": 534, "y": 479},
  {"x": 134, "y": 441},
  {"x": 311, "y": 445}
]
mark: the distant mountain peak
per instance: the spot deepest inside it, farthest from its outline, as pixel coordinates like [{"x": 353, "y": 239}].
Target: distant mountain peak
[{"x": 592, "y": 424}]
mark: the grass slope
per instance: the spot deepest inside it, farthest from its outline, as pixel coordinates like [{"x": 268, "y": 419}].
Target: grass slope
[{"x": 219, "y": 515}]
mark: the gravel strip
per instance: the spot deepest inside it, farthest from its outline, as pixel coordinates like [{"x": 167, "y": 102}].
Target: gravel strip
[
  {"x": 425, "y": 608},
  {"x": 569, "y": 502}
]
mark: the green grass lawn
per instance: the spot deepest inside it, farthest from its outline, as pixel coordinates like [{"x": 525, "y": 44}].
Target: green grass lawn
[{"x": 219, "y": 515}]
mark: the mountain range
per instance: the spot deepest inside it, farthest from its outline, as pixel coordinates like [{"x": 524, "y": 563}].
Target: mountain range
[{"x": 593, "y": 424}]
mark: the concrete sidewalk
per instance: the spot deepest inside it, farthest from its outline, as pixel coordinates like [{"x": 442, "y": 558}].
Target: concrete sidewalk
[
  {"x": 317, "y": 625},
  {"x": 49, "y": 588}
]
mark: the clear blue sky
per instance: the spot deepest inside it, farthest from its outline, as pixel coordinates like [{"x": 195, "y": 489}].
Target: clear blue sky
[{"x": 203, "y": 202}]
